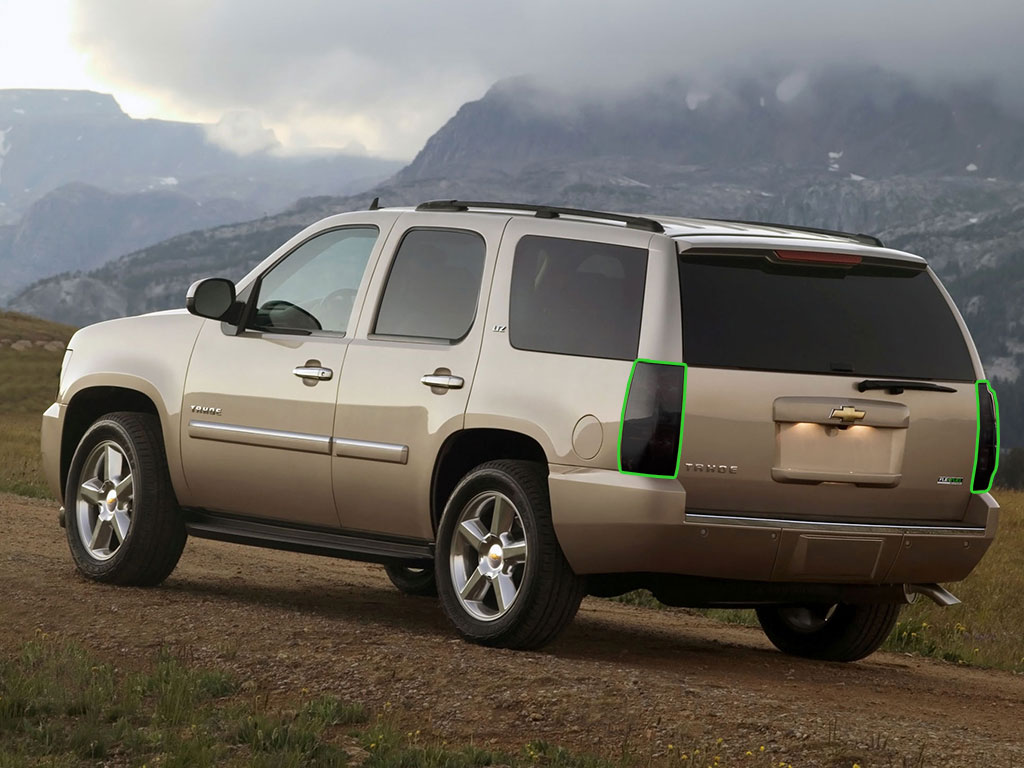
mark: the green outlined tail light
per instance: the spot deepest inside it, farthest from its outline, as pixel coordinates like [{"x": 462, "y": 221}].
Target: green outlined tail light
[
  {"x": 986, "y": 459},
  {"x": 651, "y": 432}
]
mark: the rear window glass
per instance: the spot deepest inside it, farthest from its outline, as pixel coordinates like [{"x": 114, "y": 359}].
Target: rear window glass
[
  {"x": 743, "y": 312},
  {"x": 576, "y": 297}
]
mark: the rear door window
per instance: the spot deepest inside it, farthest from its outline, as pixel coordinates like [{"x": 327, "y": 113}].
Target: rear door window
[
  {"x": 576, "y": 297},
  {"x": 434, "y": 285},
  {"x": 868, "y": 320}
]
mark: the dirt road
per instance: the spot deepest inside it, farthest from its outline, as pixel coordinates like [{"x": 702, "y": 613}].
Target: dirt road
[{"x": 621, "y": 678}]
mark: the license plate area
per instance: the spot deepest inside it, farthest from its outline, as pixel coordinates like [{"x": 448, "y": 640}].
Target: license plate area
[{"x": 839, "y": 440}]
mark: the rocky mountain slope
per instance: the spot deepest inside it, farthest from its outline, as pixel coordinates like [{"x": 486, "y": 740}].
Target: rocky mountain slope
[
  {"x": 80, "y": 227},
  {"x": 862, "y": 121}
]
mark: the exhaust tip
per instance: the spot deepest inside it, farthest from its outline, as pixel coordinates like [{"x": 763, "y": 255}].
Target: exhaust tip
[
  {"x": 939, "y": 595},
  {"x": 62, "y": 518}
]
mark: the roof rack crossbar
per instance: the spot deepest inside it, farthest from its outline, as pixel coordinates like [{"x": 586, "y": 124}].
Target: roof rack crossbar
[
  {"x": 859, "y": 237},
  {"x": 543, "y": 212}
]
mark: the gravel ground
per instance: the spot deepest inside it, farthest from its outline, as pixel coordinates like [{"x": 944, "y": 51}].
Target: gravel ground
[{"x": 621, "y": 679}]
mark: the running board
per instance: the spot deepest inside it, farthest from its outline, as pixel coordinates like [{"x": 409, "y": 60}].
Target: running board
[{"x": 313, "y": 541}]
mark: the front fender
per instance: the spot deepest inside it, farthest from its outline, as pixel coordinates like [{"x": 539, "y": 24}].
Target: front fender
[{"x": 149, "y": 355}]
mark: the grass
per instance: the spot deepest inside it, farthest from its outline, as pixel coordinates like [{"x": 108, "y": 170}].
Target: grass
[
  {"x": 28, "y": 384},
  {"x": 61, "y": 706}
]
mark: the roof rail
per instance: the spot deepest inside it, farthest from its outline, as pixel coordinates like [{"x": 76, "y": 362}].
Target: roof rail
[
  {"x": 543, "y": 212},
  {"x": 859, "y": 237}
]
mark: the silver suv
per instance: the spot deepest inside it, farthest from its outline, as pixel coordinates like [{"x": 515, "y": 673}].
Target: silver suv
[{"x": 517, "y": 405}]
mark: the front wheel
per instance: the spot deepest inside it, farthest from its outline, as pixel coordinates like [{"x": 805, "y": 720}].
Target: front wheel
[
  {"x": 123, "y": 522},
  {"x": 839, "y": 632},
  {"x": 501, "y": 576}
]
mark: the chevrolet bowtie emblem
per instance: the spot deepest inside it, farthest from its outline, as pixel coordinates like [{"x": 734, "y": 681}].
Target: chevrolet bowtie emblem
[{"x": 847, "y": 413}]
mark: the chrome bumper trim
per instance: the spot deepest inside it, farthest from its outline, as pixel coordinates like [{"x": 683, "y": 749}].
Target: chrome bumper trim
[
  {"x": 365, "y": 449},
  {"x": 767, "y": 522},
  {"x": 266, "y": 438}
]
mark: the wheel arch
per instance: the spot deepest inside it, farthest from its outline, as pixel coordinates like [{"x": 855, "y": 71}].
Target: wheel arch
[
  {"x": 91, "y": 402},
  {"x": 468, "y": 448}
]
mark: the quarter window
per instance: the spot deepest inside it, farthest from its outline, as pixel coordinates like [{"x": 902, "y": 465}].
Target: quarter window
[
  {"x": 434, "y": 285},
  {"x": 575, "y": 297},
  {"x": 314, "y": 287}
]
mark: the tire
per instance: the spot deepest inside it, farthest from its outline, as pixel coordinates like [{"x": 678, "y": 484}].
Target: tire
[
  {"x": 418, "y": 582},
  {"x": 840, "y": 632},
  {"x": 498, "y": 522},
  {"x": 123, "y": 523}
]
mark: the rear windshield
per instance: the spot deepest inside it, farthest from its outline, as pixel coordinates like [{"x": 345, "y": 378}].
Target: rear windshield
[{"x": 744, "y": 312}]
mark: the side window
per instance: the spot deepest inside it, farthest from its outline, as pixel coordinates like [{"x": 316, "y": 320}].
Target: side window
[
  {"x": 434, "y": 284},
  {"x": 314, "y": 287},
  {"x": 574, "y": 297}
]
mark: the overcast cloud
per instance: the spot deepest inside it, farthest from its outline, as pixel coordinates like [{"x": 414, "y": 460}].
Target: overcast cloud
[{"x": 383, "y": 75}]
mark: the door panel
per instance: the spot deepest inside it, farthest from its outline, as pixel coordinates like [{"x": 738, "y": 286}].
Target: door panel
[
  {"x": 390, "y": 425},
  {"x": 259, "y": 405},
  {"x": 266, "y": 453},
  {"x": 569, "y": 298}
]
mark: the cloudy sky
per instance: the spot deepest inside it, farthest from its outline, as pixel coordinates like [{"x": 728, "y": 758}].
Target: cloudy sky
[{"x": 382, "y": 76}]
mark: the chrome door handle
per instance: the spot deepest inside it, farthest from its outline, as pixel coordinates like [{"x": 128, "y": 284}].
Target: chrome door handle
[
  {"x": 313, "y": 372},
  {"x": 441, "y": 381}
]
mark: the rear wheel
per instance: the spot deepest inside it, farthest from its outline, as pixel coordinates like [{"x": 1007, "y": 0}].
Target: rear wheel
[
  {"x": 412, "y": 581},
  {"x": 501, "y": 576},
  {"x": 123, "y": 521},
  {"x": 839, "y": 632}
]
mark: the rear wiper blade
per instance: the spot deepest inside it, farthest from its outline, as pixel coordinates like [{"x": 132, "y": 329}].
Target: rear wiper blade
[{"x": 897, "y": 387}]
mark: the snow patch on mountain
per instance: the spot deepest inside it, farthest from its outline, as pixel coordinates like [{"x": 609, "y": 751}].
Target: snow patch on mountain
[
  {"x": 5, "y": 147},
  {"x": 791, "y": 86}
]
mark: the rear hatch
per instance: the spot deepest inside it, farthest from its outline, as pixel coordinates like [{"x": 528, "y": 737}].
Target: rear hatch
[{"x": 824, "y": 386}]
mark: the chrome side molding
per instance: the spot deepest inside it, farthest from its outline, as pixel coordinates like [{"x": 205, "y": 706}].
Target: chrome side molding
[
  {"x": 266, "y": 438},
  {"x": 299, "y": 441},
  {"x": 365, "y": 449}
]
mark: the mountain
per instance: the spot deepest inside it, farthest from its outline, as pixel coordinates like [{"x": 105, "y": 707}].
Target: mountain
[
  {"x": 841, "y": 120},
  {"x": 81, "y": 182},
  {"x": 80, "y": 227},
  {"x": 52, "y": 138},
  {"x": 860, "y": 150}
]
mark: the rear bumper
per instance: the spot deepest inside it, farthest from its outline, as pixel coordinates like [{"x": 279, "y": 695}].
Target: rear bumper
[{"x": 609, "y": 522}]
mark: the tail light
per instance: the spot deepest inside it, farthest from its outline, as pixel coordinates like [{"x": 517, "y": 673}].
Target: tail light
[
  {"x": 651, "y": 434},
  {"x": 987, "y": 457}
]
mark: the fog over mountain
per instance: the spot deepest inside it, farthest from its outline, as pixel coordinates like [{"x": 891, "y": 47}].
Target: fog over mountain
[
  {"x": 939, "y": 172},
  {"x": 387, "y": 75}
]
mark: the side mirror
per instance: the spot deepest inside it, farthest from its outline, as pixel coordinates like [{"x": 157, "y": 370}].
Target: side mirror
[{"x": 213, "y": 297}]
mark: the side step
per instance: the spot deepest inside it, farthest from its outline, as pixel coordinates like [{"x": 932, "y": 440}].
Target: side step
[{"x": 313, "y": 541}]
